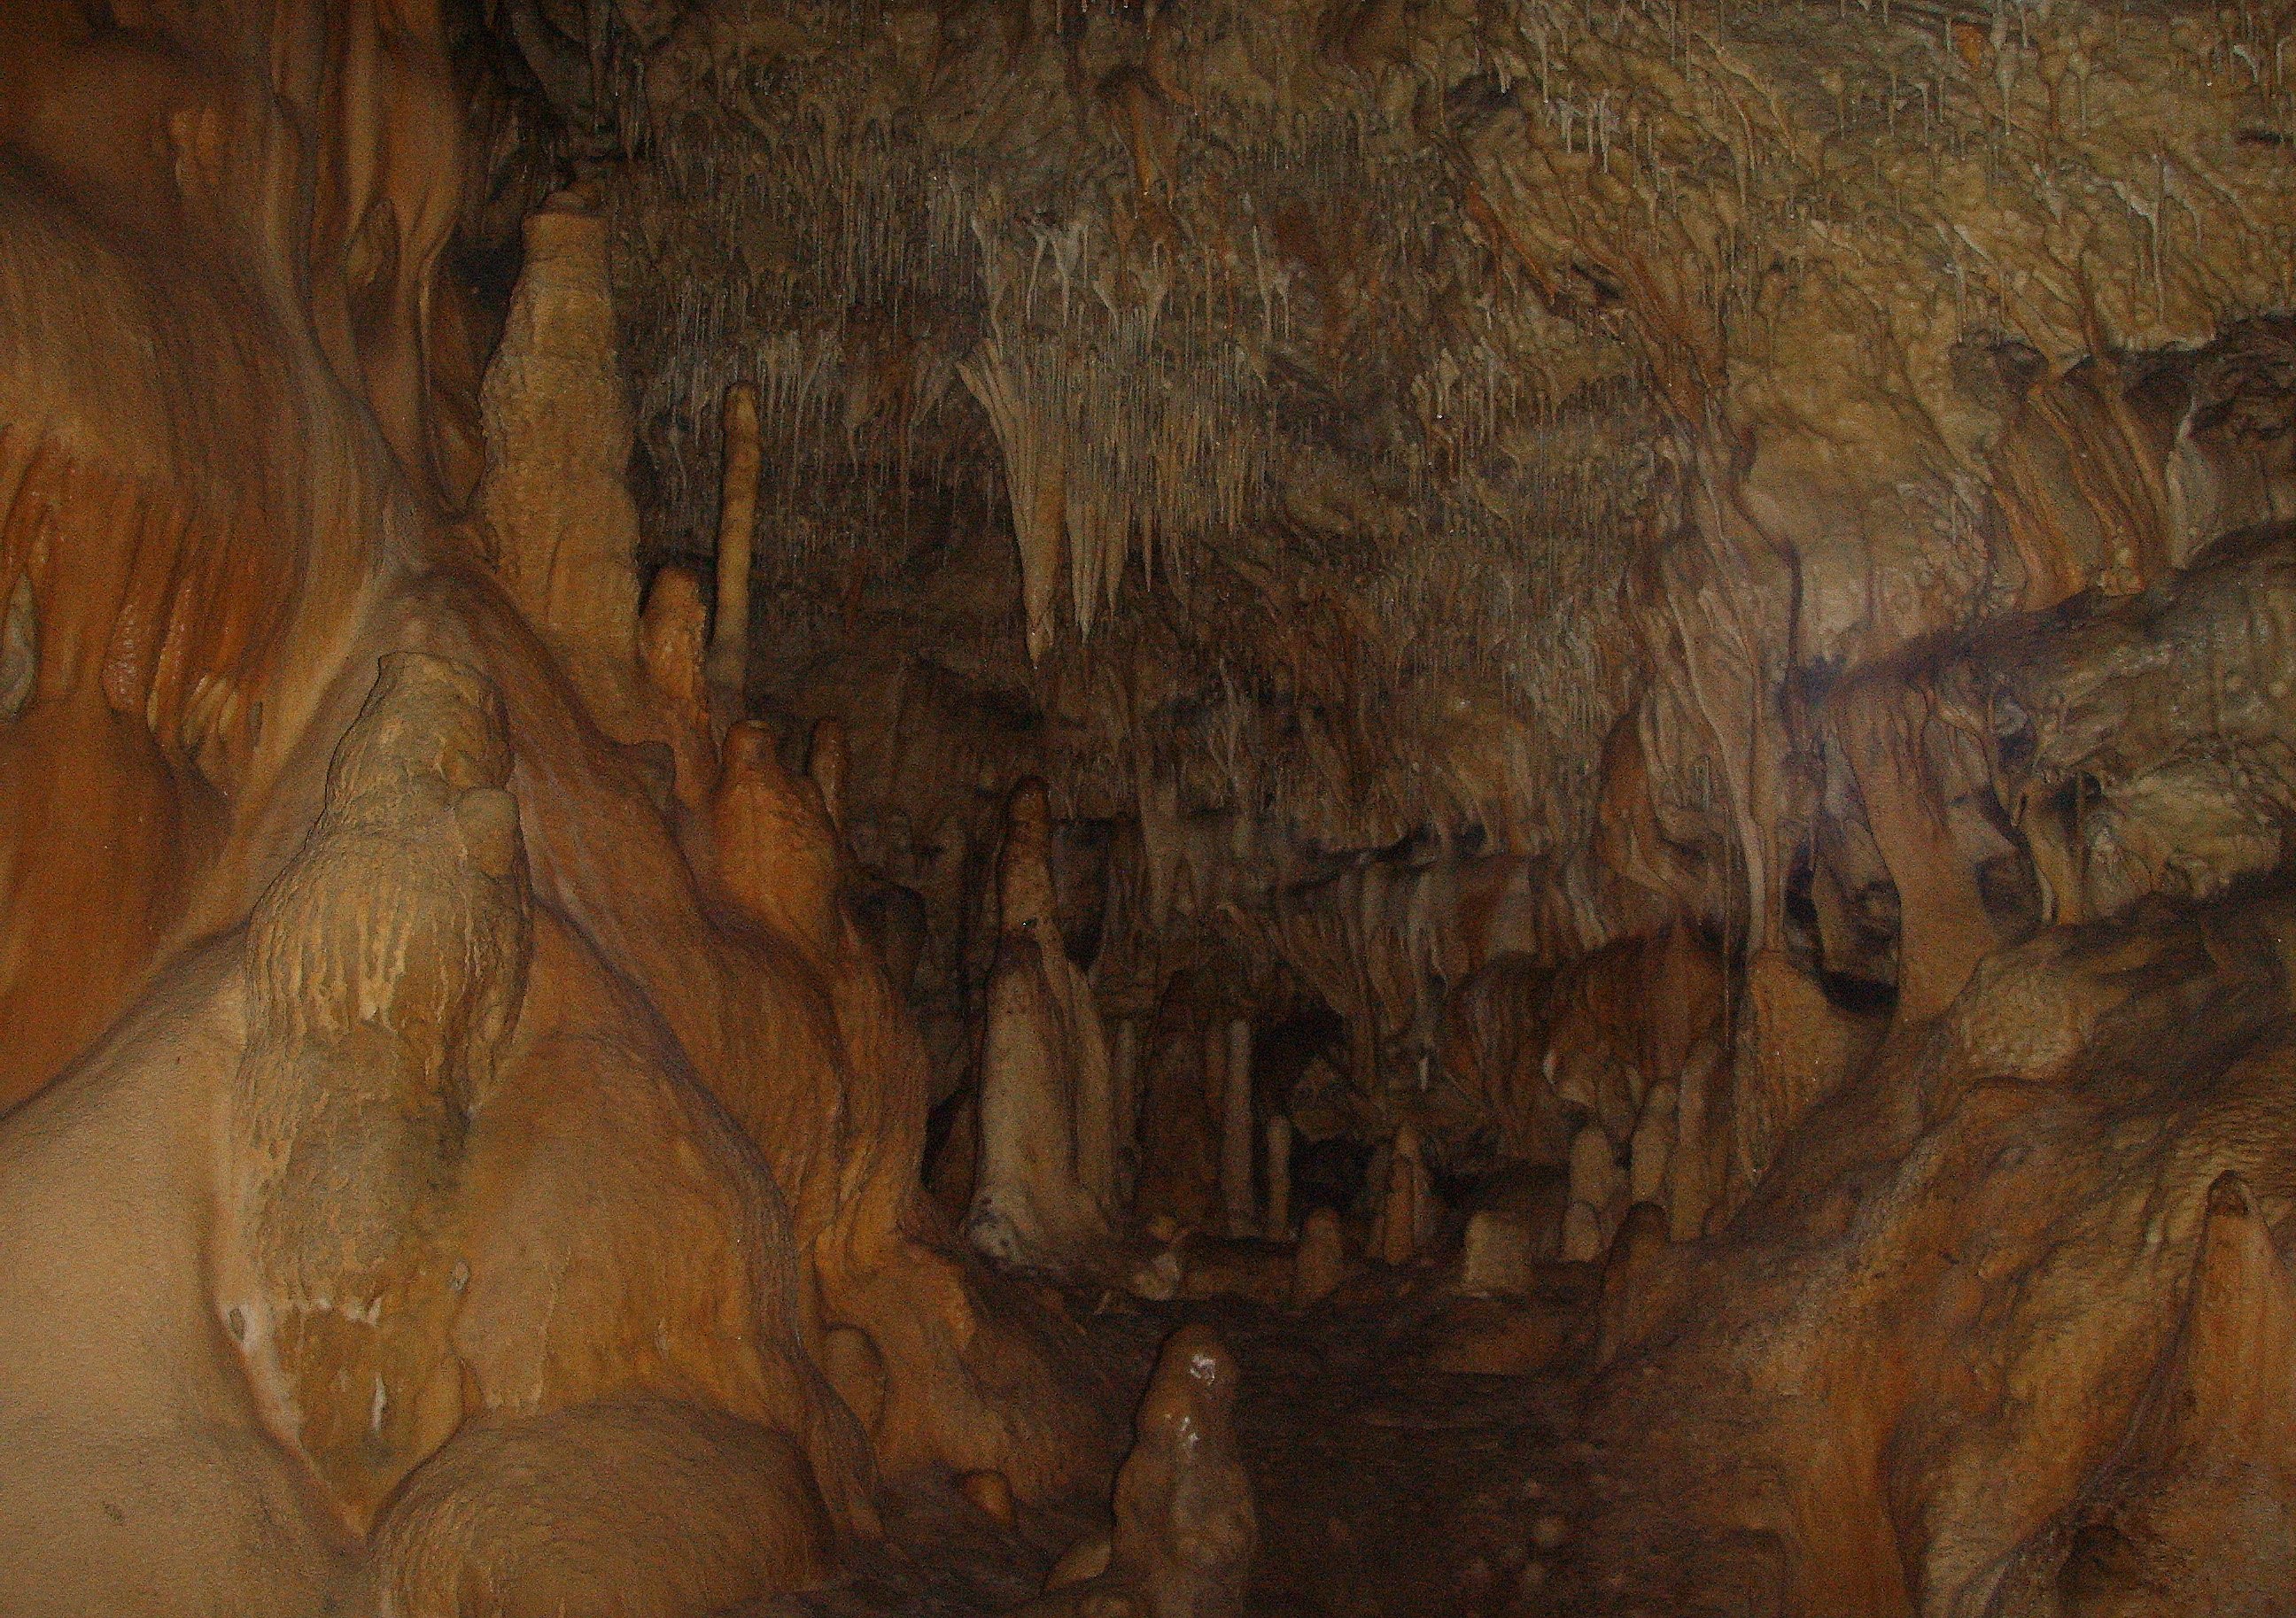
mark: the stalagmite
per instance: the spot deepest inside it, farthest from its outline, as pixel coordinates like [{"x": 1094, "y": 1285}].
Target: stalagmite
[
  {"x": 1046, "y": 1186},
  {"x": 2216, "y": 1460},
  {"x": 827, "y": 758},
  {"x": 563, "y": 527},
  {"x": 672, "y": 637},
  {"x": 1124, "y": 1105},
  {"x": 1652, "y": 1149},
  {"x": 1495, "y": 1259},
  {"x": 1595, "y": 1187},
  {"x": 737, "y": 522},
  {"x": 1237, "y": 1194},
  {"x": 1691, "y": 1180},
  {"x": 1582, "y": 1233},
  {"x": 1279, "y": 1179},
  {"x": 1611, "y": 619},
  {"x": 1030, "y": 1206},
  {"x": 1186, "y": 1527},
  {"x": 991, "y": 1493},
  {"x": 1409, "y": 1215},
  {"x": 1180, "y": 1108},
  {"x": 1159, "y": 1278},
  {"x": 1630, "y": 1277},
  {"x": 850, "y": 1360},
  {"x": 1811, "y": 1047},
  {"x": 1320, "y": 1260}
]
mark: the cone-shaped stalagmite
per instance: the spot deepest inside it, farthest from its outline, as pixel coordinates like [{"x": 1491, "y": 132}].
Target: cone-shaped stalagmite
[
  {"x": 1186, "y": 1528},
  {"x": 555, "y": 496},
  {"x": 1046, "y": 1185},
  {"x": 1409, "y": 1215}
]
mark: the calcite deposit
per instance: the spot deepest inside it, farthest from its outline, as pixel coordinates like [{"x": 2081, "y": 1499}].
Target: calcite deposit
[{"x": 1147, "y": 807}]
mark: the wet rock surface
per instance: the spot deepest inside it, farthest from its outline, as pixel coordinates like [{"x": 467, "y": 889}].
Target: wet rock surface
[{"x": 1383, "y": 1485}]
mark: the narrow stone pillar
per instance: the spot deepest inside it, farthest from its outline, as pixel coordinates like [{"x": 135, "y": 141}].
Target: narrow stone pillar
[
  {"x": 1279, "y": 1178},
  {"x": 1095, "y": 1094},
  {"x": 1236, "y": 1135},
  {"x": 1125, "y": 1105},
  {"x": 737, "y": 522}
]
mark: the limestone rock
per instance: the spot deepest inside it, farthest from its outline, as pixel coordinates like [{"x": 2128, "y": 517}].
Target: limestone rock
[
  {"x": 1597, "y": 1188},
  {"x": 1409, "y": 1215},
  {"x": 1186, "y": 1526},
  {"x": 1496, "y": 1259},
  {"x": 1320, "y": 1260},
  {"x": 555, "y": 496},
  {"x": 1046, "y": 1181}
]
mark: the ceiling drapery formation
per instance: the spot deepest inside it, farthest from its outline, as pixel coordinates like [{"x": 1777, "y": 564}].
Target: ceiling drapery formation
[
  {"x": 1447, "y": 316},
  {"x": 1306, "y": 430}
]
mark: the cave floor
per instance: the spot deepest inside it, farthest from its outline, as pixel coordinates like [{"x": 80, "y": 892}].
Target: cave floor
[{"x": 1385, "y": 1486}]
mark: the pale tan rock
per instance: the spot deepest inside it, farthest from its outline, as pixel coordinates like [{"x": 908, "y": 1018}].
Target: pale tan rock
[
  {"x": 1158, "y": 1279},
  {"x": 1085, "y": 1559},
  {"x": 1030, "y": 1208},
  {"x": 728, "y": 661},
  {"x": 2217, "y": 1467},
  {"x": 828, "y": 759},
  {"x": 1497, "y": 1257},
  {"x": 728, "y": 1516},
  {"x": 241, "y": 331},
  {"x": 434, "y": 1249},
  {"x": 1632, "y": 1298},
  {"x": 1046, "y": 1181},
  {"x": 1409, "y": 1214},
  {"x": 672, "y": 636},
  {"x": 1808, "y": 1046},
  {"x": 992, "y": 1494},
  {"x": 1582, "y": 1233},
  {"x": 1597, "y": 1188},
  {"x": 1186, "y": 1528},
  {"x": 1652, "y": 1147},
  {"x": 555, "y": 496},
  {"x": 1694, "y": 1178},
  {"x": 856, "y": 1370}
]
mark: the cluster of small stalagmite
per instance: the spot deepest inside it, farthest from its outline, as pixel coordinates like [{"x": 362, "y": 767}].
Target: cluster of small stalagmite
[{"x": 750, "y": 751}]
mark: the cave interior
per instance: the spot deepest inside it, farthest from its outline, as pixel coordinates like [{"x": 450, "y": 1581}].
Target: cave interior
[{"x": 1305, "y": 807}]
